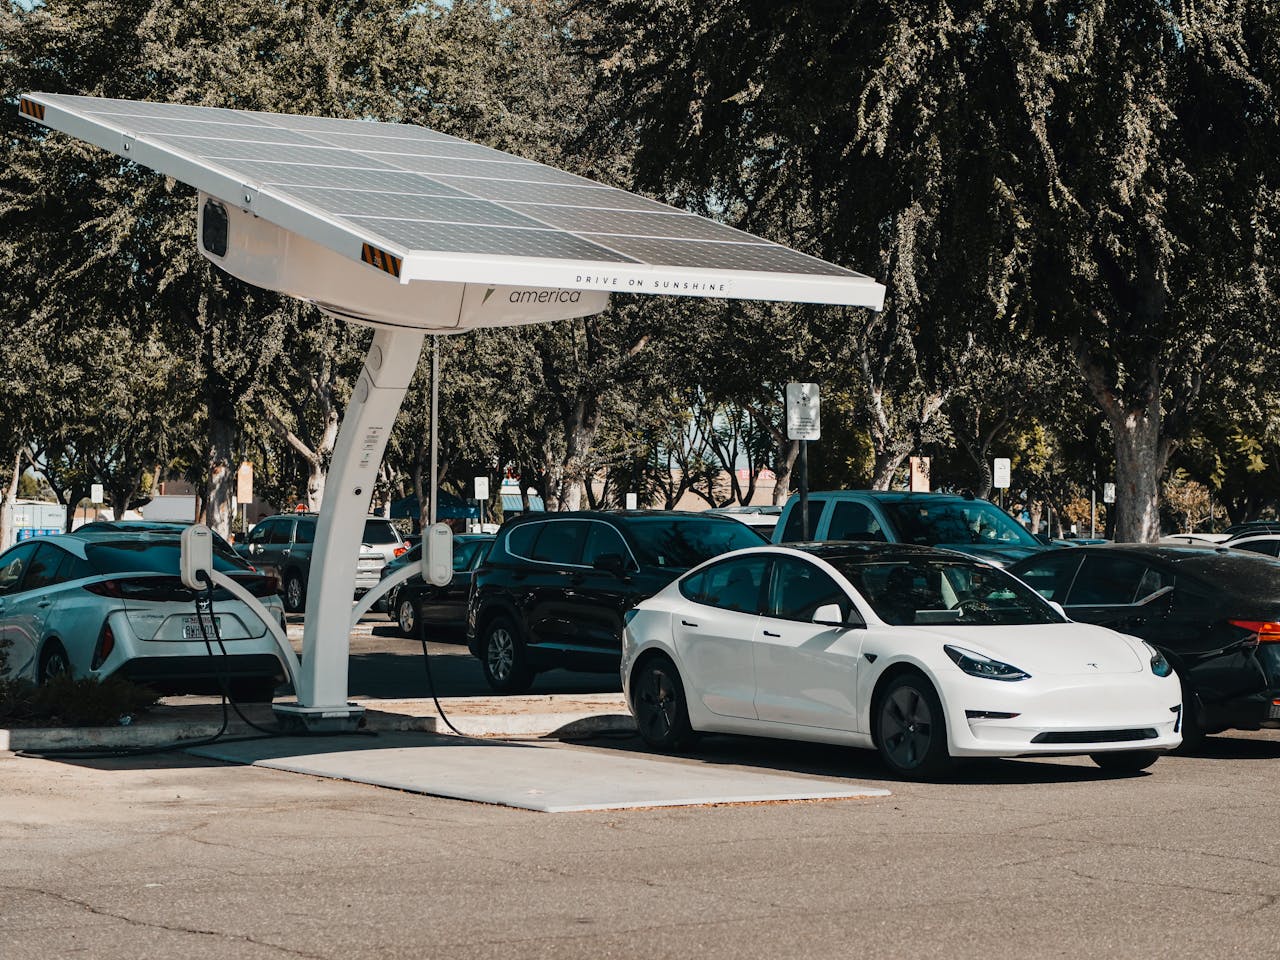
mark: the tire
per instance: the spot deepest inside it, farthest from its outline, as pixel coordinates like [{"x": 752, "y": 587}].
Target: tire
[
  {"x": 659, "y": 706},
  {"x": 910, "y": 731},
  {"x": 1125, "y": 761},
  {"x": 407, "y": 618},
  {"x": 252, "y": 689},
  {"x": 54, "y": 662},
  {"x": 295, "y": 592},
  {"x": 504, "y": 658}
]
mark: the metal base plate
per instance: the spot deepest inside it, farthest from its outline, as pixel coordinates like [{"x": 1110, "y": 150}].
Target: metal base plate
[
  {"x": 310, "y": 720},
  {"x": 531, "y": 776}
]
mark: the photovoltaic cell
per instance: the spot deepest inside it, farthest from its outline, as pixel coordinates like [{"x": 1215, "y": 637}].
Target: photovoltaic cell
[
  {"x": 499, "y": 241},
  {"x": 413, "y": 190}
]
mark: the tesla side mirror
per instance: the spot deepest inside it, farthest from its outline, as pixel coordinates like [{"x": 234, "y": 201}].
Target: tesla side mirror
[
  {"x": 1153, "y": 597},
  {"x": 1058, "y": 607},
  {"x": 828, "y": 615},
  {"x": 611, "y": 563}
]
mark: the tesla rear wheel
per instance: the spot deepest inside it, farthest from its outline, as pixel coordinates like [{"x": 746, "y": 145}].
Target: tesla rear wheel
[
  {"x": 54, "y": 662},
  {"x": 295, "y": 592},
  {"x": 407, "y": 616},
  {"x": 504, "y": 658},
  {"x": 657, "y": 700},
  {"x": 910, "y": 730},
  {"x": 1125, "y": 761}
]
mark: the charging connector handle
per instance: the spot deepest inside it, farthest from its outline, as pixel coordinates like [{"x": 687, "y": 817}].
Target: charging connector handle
[{"x": 290, "y": 658}]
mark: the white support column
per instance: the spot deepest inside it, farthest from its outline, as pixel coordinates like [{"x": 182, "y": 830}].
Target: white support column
[{"x": 357, "y": 455}]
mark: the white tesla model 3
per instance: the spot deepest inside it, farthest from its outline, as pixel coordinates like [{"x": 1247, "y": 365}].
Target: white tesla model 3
[{"x": 925, "y": 655}]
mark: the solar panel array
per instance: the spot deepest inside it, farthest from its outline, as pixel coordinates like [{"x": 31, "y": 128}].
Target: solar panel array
[{"x": 413, "y": 190}]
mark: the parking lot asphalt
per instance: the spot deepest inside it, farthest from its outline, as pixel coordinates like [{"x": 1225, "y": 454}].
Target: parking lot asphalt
[{"x": 171, "y": 855}]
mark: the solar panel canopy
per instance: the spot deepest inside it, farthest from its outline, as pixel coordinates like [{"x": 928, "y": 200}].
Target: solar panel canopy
[{"x": 406, "y": 203}]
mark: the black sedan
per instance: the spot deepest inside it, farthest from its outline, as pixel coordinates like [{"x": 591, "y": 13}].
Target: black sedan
[
  {"x": 1214, "y": 613},
  {"x": 442, "y": 610}
]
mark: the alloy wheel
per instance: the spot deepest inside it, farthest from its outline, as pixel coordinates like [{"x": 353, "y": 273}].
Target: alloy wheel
[
  {"x": 657, "y": 702},
  {"x": 906, "y": 726},
  {"x": 405, "y": 615},
  {"x": 501, "y": 653}
]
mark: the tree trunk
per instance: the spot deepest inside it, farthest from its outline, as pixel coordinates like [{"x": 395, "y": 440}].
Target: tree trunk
[
  {"x": 887, "y": 464},
  {"x": 788, "y": 451},
  {"x": 1140, "y": 463},
  {"x": 10, "y": 494},
  {"x": 222, "y": 474}
]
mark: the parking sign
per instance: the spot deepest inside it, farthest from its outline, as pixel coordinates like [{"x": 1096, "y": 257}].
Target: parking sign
[{"x": 804, "y": 421}]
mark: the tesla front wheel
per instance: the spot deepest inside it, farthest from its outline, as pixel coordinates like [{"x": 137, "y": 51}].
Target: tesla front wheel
[
  {"x": 1125, "y": 761},
  {"x": 657, "y": 700},
  {"x": 910, "y": 730},
  {"x": 504, "y": 658}
]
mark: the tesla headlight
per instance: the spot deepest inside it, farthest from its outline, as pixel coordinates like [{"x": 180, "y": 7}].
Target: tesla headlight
[
  {"x": 976, "y": 665},
  {"x": 1159, "y": 665}
]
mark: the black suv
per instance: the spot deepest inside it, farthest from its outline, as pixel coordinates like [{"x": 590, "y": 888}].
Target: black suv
[{"x": 554, "y": 587}]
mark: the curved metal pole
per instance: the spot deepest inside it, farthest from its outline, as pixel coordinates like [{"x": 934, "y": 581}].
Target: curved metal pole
[
  {"x": 435, "y": 423},
  {"x": 357, "y": 455}
]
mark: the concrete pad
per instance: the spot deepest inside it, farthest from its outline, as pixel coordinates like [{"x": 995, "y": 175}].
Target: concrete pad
[{"x": 529, "y": 776}]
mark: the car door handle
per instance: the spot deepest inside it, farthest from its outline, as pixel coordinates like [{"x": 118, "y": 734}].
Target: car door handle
[
  {"x": 770, "y": 633},
  {"x": 686, "y": 623},
  {"x": 44, "y": 603}
]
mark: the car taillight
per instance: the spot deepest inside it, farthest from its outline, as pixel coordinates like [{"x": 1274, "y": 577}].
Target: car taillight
[
  {"x": 1268, "y": 631},
  {"x": 106, "y": 588},
  {"x": 401, "y": 550},
  {"x": 106, "y": 643}
]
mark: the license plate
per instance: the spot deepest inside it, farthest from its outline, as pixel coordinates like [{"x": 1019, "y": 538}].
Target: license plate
[
  {"x": 369, "y": 564},
  {"x": 191, "y": 628}
]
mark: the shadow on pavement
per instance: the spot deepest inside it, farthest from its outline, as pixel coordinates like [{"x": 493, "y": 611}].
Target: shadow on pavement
[{"x": 825, "y": 760}]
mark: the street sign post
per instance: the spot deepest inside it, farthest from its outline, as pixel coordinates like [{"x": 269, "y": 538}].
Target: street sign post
[
  {"x": 95, "y": 493},
  {"x": 1108, "y": 493},
  {"x": 804, "y": 423}
]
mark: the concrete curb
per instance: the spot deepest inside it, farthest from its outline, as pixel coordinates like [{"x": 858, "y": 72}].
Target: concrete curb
[{"x": 552, "y": 717}]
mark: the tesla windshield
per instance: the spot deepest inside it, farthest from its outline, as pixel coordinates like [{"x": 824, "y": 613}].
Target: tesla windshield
[
  {"x": 917, "y": 590},
  {"x": 930, "y": 522}
]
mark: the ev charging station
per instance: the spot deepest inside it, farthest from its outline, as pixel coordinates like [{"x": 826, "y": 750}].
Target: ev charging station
[{"x": 413, "y": 233}]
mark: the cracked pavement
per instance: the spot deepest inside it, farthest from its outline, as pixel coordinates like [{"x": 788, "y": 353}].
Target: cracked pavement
[{"x": 169, "y": 855}]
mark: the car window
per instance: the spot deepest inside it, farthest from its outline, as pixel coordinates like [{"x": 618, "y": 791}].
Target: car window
[
  {"x": 1107, "y": 581},
  {"x": 691, "y": 587},
  {"x": 851, "y": 520},
  {"x": 791, "y": 531},
  {"x": 797, "y": 589},
  {"x": 305, "y": 532},
  {"x": 43, "y": 571},
  {"x": 603, "y": 540},
  {"x": 1051, "y": 574},
  {"x": 13, "y": 566},
  {"x": 1268, "y": 547},
  {"x": 560, "y": 541},
  {"x": 150, "y": 554},
  {"x": 464, "y": 554},
  {"x": 380, "y": 531},
  {"x": 931, "y": 522},
  {"x": 681, "y": 542},
  {"x": 259, "y": 533},
  {"x": 520, "y": 539},
  {"x": 735, "y": 584},
  {"x": 932, "y": 590},
  {"x": 73, "y": 568},
  {"x": 279, "y": 531}
]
